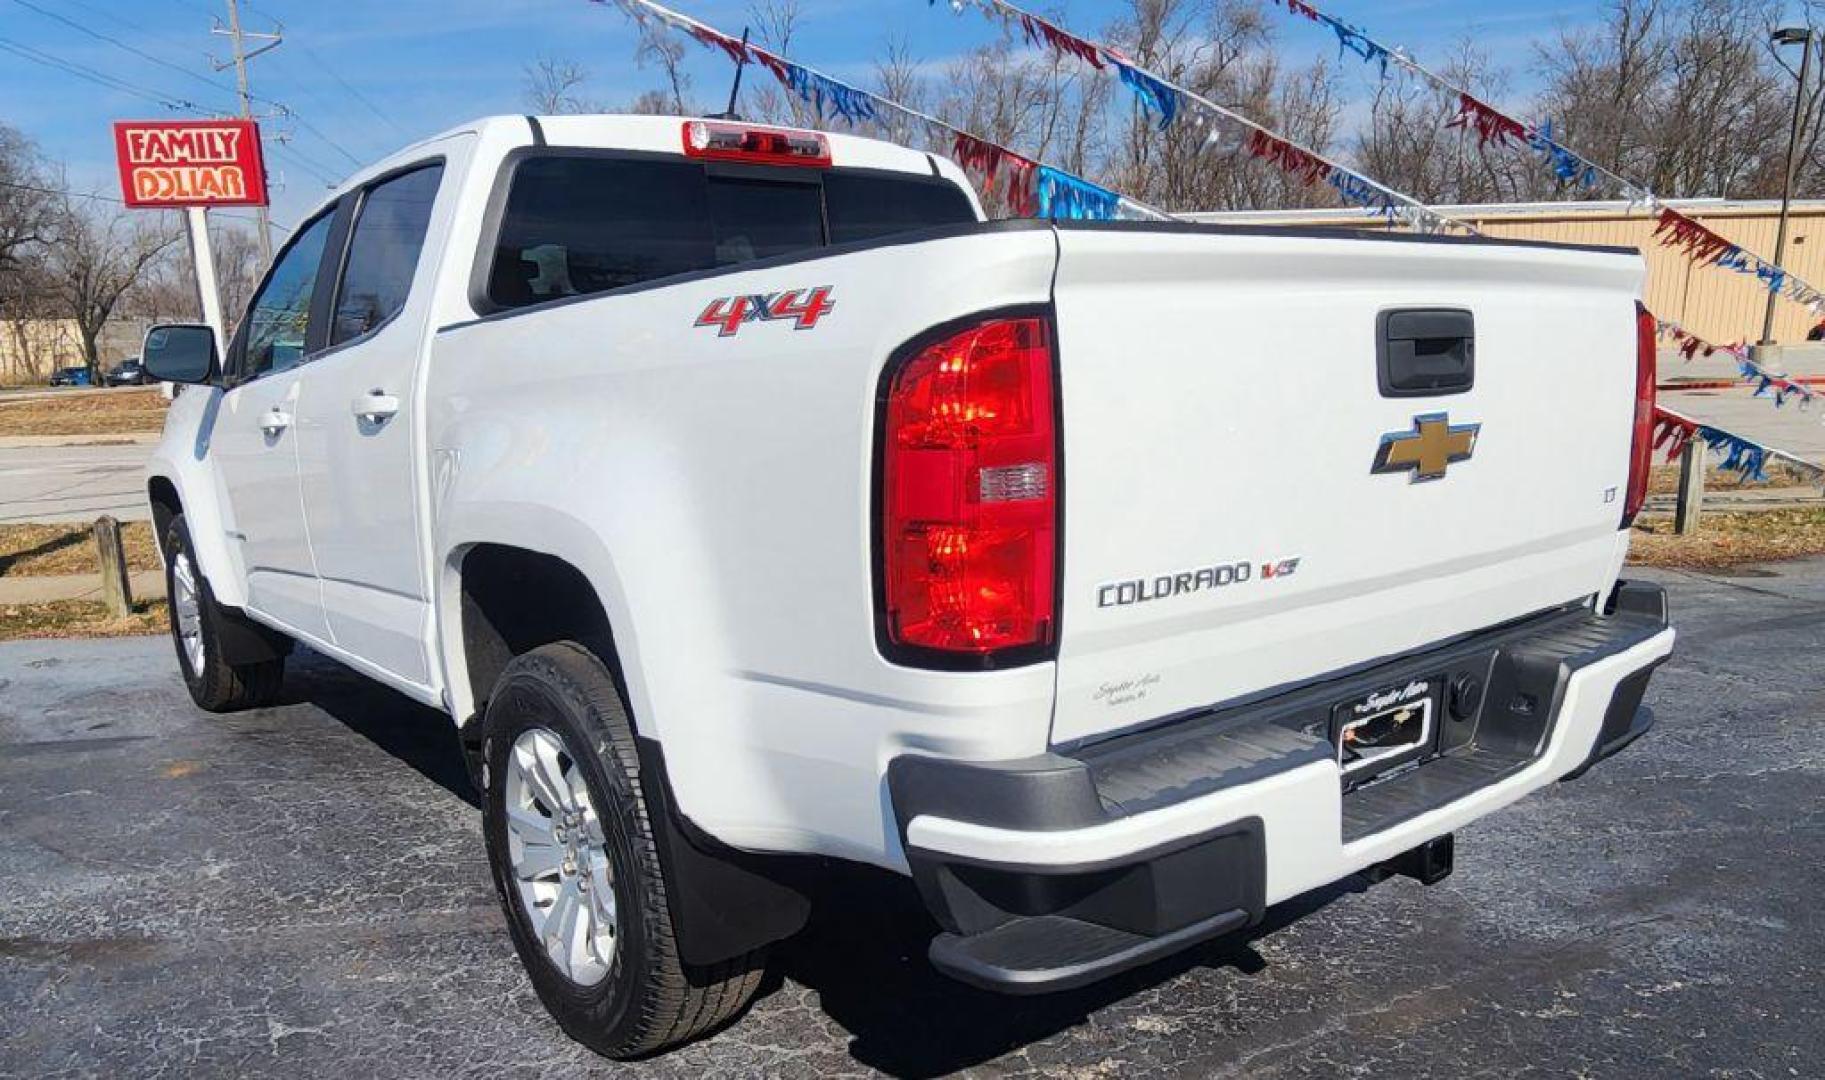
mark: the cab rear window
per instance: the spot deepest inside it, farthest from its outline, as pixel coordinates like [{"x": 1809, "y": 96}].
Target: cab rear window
[{"x": 574, "y": 225}]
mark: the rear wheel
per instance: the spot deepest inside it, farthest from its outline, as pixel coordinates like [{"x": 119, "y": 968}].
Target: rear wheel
[
  {"x": 571, "y": 845},
  {"x": 198, "y": 626}
]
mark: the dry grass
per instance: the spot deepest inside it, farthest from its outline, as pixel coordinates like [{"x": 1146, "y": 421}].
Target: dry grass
[
  {"x": 47, "y": 550},
  {"x": 78, "y": 619},
  {"x": 105, "y": 412},
  {"x": 1730, "y": 539}
]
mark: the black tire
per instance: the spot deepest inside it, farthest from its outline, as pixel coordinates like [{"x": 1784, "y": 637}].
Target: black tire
[
  {"x": 220, "y": 686},
  {"x": 650, "y": 999}
]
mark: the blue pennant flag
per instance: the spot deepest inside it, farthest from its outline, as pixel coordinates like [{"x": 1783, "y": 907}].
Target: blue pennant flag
[
  {"x": 822, "y": 93},
  {"x": 1357, "y": 41},
  {"x": 1358, "y": 191},
  {"x": 1153, "y": 93},
  {"x": 1772, "y": 276},
  {"x": 1062, "y": 195},
  {"x": 1566, "y": 165},
  {"x": 1735, "y": 258},
  {"x": 1740, "y": 455}
]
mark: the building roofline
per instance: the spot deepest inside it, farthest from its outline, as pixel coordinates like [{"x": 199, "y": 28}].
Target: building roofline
[{"x": 1475, "y": 211}]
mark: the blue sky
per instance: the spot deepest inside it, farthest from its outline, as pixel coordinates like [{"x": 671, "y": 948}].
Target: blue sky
[{"x": 365, "y": 78}]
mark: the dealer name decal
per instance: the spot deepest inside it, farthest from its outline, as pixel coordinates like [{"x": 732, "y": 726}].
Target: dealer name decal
[{"x": 1197, "y": 580}]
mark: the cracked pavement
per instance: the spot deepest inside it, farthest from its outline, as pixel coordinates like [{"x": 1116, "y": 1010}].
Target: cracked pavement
[{"x": 302, "y": 891}]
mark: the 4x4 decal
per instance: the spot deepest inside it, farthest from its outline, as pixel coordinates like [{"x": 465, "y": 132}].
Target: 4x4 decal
[{"x": 730, "y": 313}]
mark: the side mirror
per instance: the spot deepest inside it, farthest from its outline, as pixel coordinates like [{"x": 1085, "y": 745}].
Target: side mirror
[{"x": 181, "y": 353}]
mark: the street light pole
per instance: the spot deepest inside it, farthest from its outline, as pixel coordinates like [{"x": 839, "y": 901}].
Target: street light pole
[{"x": 1788, "y": 37}]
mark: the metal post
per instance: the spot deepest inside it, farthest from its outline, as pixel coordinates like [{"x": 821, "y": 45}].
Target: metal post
[
  {"x": 1793, "y": 142},
  {"x": 116, "y": 588},
  {"x": 1691, "y": 488}
]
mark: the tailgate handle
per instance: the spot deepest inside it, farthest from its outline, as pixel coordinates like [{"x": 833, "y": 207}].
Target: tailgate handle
[{"x": 1425, "y": 352}]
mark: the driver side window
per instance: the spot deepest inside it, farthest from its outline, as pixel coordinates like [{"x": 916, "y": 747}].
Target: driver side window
[{"x": 278, "y": 323}]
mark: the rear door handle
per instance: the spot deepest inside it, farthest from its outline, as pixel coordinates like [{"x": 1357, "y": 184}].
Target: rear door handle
[
  {"x": 275, "y": 420},
  {"x": 374, "y": 406}
]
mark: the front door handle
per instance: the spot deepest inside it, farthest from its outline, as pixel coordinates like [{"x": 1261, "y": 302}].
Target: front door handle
[
  {"x": 274, "y": 421},
  {"x": 374, "y": 407}
]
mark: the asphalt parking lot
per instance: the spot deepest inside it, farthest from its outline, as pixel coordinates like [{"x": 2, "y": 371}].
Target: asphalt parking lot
[{"x": 302, "y": 891}]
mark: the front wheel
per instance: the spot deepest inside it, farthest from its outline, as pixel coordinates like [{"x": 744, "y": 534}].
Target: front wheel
[
  {"x": 198, "y": 625},
  {"x": 571, "y": 845}
]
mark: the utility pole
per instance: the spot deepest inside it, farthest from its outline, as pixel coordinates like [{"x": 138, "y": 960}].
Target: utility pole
[{"x": 239, "y": 63}]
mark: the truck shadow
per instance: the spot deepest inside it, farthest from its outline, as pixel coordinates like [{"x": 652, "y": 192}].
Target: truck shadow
[
  {"x": 863, "y": 951},
  {"x": 416, "y": 735},
  {"x": 865, "y": 956}
]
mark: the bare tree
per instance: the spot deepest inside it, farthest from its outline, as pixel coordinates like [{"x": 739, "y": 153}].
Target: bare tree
[
  {"x": 25, "y": 202},
  {"x": 898, "y": 78},
  {"x": 553, "y": 87},
  {"x": 775, "y": 22},
  {"x": 94, "y": 259},
  {"x": 661, "y": 47},
  {"x": 167, "y": 288},
  {"x": 1680, "y": 94}
]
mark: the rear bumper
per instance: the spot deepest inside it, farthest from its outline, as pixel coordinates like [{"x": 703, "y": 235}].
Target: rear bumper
[{"x": 1058, "y": 870}]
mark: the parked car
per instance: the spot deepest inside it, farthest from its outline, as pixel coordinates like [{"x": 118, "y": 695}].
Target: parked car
[
  {"x": 749, "y": 502},
  {"x": 70, "y": 376},
  {"x": 129, "y": 372}
]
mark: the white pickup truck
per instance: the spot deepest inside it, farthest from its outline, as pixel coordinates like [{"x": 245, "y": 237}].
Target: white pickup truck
[{"x": 748, "y": 502}]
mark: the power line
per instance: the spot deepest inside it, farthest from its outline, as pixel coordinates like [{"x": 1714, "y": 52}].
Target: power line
[
  {"x": 51, "y": 60},
  {"x": 285, "y": 110},
  {"x": 308, "y": 164},
  {"x": 97, "y": 197},
  {"x": 110, "y": 16},
  {"x": 119, "y": 44},
  {"x": 354, "y": 93}
]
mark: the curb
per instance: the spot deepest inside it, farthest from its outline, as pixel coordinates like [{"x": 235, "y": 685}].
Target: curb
[
  {"x": 146, "y": 584},
  {"x": 128, "y": 438}
]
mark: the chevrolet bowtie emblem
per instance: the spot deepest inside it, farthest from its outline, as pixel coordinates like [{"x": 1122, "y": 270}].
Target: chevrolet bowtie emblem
[{"x": 1427, "y": 450}]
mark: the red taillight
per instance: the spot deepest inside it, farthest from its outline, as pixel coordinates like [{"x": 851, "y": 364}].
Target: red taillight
[
  {"x": 755, "y": 145},
  {"x": 1641, "y": 449},
  {"x": 969, "y": 493}
]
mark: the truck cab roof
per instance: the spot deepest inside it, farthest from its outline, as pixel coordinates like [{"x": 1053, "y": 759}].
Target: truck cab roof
[{"x": 648, "y": 134}]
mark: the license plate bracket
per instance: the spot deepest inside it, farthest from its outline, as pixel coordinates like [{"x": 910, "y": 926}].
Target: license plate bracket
[{"x": 1391, "y": 727}]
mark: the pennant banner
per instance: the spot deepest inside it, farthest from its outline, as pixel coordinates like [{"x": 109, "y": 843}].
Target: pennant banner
[
  {"x": 1041, "y": 32},
  {"x": 1491, "y": 126},
  {"x": 1673, "y": 432},
  {"x": 1308, "y": 167},
  {"x": 1765, "y": 382},
  {"x": 1167, "y": 102},
  {"x": 1699, "y": 243},
  {"x": 829, "y": 97},
  {"x": 1061, "y": 195},
  {"x": 1494, "y": 126},
  {"x": 993, "y": 164},
  {"x": 1154, "y": 94}
]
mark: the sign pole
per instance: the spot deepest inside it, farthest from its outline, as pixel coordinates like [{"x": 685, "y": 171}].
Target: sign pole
[{"x": 208, "y": 291}]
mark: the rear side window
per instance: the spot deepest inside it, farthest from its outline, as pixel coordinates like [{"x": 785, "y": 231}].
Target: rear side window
[
  {"x": 583, "y": 225},
  {"x": 574, "y": 225},
  {"x": 383, "y": 251},
  {"x": 867, "y": 207}
]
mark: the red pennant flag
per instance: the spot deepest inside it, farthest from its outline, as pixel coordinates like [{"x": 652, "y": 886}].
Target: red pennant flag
[
  {"x": 1308, "y": 167},
  {"x": 1491, "y": 125}
]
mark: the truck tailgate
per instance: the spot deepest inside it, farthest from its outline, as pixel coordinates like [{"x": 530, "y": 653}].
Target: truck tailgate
[{"x": 1224, "y": 531}]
